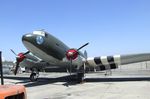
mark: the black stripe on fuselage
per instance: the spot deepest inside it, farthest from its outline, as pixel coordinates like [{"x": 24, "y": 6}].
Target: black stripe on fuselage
[
  {"x": 111, "y": 62},
  {"x": 113, "y": 66}
]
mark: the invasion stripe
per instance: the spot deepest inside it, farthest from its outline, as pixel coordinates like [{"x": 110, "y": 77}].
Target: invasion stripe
[
  {"x": 111, "y": 62},
  {"x": 104, "y": 60},
  {"x": 97, "y": 60},
  {"x": 117, "y": 59},
  {"x": 91, "y": 61},
  {"x": 102, "y": 67},
  {"x": 113, "y": 66},
  {"x": 110, "y": 59}
]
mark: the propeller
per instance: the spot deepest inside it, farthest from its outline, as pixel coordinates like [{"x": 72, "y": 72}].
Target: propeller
[
  {"x": 72, "y": 54},
  {"x": 82, "y": 46},
  {"x": 13, "y": 52},
  {"x": 19, "y": 58}
]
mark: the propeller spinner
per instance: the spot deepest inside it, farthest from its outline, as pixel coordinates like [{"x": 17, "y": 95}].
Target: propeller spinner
[{"x": 72, "y": 54}]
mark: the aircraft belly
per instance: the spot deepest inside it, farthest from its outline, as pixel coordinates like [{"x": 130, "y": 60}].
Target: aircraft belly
[{"x": 41, "y": 54}]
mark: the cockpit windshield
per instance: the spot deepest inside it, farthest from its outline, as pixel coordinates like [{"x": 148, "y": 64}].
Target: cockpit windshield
[{"x": 41, "y": 33}]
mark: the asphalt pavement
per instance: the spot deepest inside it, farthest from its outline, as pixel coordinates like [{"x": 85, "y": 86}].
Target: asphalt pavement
[{"x": 127, "y": 82}]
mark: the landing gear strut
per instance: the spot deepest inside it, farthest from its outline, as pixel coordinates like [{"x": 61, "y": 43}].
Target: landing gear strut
[
  {"x": 80, "y": 77},
  {"x": 34, "y": 75},
  {"x": 80, "y": 74}
]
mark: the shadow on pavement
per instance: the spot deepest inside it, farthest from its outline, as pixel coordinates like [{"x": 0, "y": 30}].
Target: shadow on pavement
[
  {"x": 42, "y": 80},
  {"x": 124, "y": 79},
  {"x": 71, "y": 80}
]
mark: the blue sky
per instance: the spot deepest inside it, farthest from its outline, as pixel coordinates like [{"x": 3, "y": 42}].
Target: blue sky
[{"x": 110, "y": 26}]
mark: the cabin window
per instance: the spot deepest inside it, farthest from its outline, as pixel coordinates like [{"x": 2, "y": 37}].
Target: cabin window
[{"x": 57, "y": 44}]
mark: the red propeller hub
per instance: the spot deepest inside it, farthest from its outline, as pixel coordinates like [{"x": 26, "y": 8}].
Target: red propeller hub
[
  {"x": 21, "y": 57},
  {"x": 72, "y": 54}
]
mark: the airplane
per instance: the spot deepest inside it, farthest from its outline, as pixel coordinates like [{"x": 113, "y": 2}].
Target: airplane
[{"x": 46, "y": 50}]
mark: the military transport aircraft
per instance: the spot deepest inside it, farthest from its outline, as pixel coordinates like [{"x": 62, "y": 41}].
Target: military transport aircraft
[{"x": 46, "y": 50}]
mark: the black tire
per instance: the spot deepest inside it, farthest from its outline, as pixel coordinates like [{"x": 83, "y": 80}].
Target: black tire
[
  {"x": 80, "y": 77},
  {"x": 33, "y": 77}
]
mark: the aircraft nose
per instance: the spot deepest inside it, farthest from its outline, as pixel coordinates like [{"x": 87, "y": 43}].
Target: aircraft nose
[{"x": 27, "y": 37}]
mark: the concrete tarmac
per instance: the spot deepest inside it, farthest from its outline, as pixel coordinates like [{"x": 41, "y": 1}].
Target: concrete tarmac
[{"x": 124, "y": 83}]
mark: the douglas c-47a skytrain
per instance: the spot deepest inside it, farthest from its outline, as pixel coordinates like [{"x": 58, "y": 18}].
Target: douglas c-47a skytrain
[{"x": 46, "y": 50}]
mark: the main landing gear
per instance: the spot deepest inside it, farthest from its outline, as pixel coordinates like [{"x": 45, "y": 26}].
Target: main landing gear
[
  {"x": 34, "y": 75},
  {"x": 80, "y": 77},
  {"x": 80, "y": 74}
]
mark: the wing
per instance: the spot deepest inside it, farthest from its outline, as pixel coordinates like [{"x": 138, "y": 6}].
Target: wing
[
  {"x": 32, "y": 61},
  {"x": 112, "y": 62}
]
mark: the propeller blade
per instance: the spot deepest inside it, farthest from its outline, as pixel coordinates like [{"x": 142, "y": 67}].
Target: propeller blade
[
  {"x": 85, "y": 54},
  {"x": 82, "y": 46},
  {"x": 16, "y": 68},
  {"x": 26, "y": 52},
  {"x": 13, "y": 52}
]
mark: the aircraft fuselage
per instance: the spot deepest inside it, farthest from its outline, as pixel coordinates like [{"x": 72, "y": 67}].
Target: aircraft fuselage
[{"x": 45, "y": 46}]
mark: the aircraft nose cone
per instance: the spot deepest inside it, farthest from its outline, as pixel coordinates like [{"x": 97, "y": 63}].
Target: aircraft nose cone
[{"x": 26, "y": 37}]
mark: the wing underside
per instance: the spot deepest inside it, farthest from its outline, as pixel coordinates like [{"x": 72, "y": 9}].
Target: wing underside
[{"x": 32, "y": 61}]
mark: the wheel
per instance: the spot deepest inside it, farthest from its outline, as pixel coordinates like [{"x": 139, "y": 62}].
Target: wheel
[
  {"x": 33, "y": 77},
  {"x": 80, "y": 77}
]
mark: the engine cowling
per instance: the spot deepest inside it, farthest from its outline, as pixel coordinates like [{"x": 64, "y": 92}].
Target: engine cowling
[
  {"x": 20, "y": 57},
  {"x": 71, "y": 54}
]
